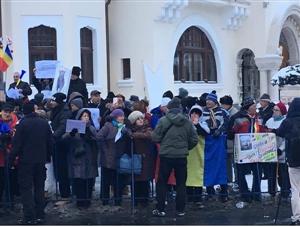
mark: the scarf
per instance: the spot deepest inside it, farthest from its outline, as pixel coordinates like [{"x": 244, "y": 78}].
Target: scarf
[{"x": 119, "y": 126}]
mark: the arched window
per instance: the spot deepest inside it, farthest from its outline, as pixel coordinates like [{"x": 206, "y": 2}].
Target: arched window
[
  {"x": 194, "y": 58},
  {"x": 41, "y": 44},
  {"x": 86, "y": 50}
]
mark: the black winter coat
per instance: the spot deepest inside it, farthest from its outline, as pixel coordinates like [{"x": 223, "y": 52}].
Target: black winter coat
[
  {"x": 79, "y": 86},
  {"x": 33, "y": 141},
  {"x": 267, "y": 113},
  {"x": 290, "y": 130},
  {"x": 58, "y": 117}
]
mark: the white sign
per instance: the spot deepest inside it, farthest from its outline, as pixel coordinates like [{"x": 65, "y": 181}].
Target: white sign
[
  {"x": 255, "y": 147},
  {"x": 46, "y": 69},
  {"x": 47, "y": 94},
  {"x": 62, "y": 81},
  {"x": 75, "y": 124},
  {"x": 13, "y": 93},
  {"x": 95, "y": 112}
]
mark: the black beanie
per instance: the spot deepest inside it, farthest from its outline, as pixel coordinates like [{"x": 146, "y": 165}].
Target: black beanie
[
  {"x": 168, "y": 94},
  {"x": 28, "y": 108},
  {"x": 59, "y": 98},
  {"x": 247, "y": 103},
  {"x": 76, "y": 70},
  {"x": 227, "y": 100}
]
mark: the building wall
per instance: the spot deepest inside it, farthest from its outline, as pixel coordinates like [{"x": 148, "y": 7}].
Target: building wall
[
  {"x": 135, "y": 33},
  {"x": 67, "y": 17}
]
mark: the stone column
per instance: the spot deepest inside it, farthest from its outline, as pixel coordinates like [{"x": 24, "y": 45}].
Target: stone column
[{"x": 268, "y": 65}]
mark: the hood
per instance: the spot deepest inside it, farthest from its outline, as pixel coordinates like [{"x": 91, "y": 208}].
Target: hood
[
  {"x": 294, "y": 108},
  {"x": 196, "y": 107},
  {"x": 176, "y": 117},
  {"x": 74, "y": 95}
]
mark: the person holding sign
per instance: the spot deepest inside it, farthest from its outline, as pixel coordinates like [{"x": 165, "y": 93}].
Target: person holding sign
[
  {"x": 290, "y": 130},
  {"x": 246, "y": 121},
  {"x": 82, "y": 157},
  {"x": 279, "y": 112},
  {"x": 22, "y": 87}
]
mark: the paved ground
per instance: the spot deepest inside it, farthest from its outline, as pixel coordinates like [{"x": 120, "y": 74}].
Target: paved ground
[{"x": 214, "y": 213}]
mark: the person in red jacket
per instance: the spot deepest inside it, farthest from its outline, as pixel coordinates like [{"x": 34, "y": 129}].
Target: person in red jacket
[
  {"x": 8, "y": 177},
  {"x": 247, "y": 121}
]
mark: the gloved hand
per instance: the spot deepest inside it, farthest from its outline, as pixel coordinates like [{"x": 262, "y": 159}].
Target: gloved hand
[{"x": 73, "y": 132}]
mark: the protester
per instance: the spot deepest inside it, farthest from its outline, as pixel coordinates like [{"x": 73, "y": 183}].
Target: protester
[
  {"x": 279, "y": 112},
  {"x": 82, "y": 158},
  {"x": 227, "y": 103},
  {"x": 78, "y": 85},
  {"x": 8, "y": 177},
  {"x": 177, "y": 136},
  {"x": 289, "y": 129},
  {"x": 44, "y": 84},
  {"x": 168, "y": 94},
  {"x": 215, "y": 151},
  {"x": 114, "y": 141},
  {"x": 33, "y": 145},
  {"x": 182, "y": 93},
  {"x": 142, "y": 106},
  {"x": 96, "y": 101},
  {"x": 141, "y": 134},
  {"x": 23, "y": 88},
  {"x": 159, "y": 111},
  {"x": 247, "y": 121},
  {"x": 195, "y": 159},
  {"x": 58, "y": 116}
]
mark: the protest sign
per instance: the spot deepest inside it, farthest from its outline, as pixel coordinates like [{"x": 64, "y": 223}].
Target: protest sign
[
  {"x": 255, "y": 147},
  {"x": 95, "y": 112},
  {"x": 75, "y": 124},
  {"x": 62, "y": 81},
  {"x": 46, "y": 69},
  {"x": 13, "y": 93}
]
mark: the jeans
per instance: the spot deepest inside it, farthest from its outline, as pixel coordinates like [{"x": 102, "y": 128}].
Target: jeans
[{"x": 180, "y": 167}]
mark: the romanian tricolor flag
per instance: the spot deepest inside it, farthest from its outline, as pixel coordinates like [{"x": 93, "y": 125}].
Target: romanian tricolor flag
[
  {"x": 206, "y": 163},
  {"x": 5, "y": 59}
]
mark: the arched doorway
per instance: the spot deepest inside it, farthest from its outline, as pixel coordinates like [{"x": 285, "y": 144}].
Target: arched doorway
[{"x": 249, "y": 83}]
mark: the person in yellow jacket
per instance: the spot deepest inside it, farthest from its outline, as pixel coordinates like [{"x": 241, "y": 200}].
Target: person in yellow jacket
[{"x": 195, "y": 159}]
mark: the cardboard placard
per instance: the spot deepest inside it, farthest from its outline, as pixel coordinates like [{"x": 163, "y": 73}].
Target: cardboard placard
[{"x": 255, "y": 147}]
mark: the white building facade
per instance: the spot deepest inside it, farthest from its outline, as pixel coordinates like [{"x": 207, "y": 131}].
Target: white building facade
[{"x": 231, "y": 46}]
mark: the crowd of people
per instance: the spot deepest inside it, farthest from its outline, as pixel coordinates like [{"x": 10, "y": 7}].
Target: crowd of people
[{"x": 186, "y": 145}]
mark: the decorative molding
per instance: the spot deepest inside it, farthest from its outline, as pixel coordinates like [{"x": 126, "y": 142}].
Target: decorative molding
[
  {"x": 268, "y": 62},
  {"x": 235, "y": 10}
]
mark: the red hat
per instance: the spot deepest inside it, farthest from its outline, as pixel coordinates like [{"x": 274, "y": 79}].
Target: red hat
[{"x": 282, "y": 108}]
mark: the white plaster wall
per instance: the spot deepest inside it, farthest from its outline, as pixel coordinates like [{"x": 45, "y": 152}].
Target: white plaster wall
[{"x": 67, "y": 17}]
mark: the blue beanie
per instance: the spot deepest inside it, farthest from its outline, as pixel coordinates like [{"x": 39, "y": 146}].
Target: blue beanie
[{"x": 212, "y": 96}]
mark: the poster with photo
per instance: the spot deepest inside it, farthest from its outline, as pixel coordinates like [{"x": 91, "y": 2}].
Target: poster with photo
[
  {"x": 255, "y": 147},
  {"x": 61, "y": 81}
]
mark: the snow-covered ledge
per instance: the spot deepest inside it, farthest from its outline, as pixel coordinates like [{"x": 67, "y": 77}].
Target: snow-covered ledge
[{"x": 125, "y": 83}]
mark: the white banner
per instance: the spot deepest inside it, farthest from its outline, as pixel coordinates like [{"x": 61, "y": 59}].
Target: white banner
[
  {"x": 255, "y": 147},
  {"x": 46, "y": 69}
]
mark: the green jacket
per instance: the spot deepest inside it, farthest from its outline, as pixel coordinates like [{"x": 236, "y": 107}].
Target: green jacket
[{"x": 176, "y": 135}]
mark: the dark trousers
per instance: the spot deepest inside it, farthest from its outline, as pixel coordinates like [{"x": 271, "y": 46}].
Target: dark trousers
[
  {"x": 110, "y": 177},
  {"x": 60, "y": 165},
  {"x": 82, "y": 189},
  {"x": 284, "y": 180},
  {"x": 180, "y": 167},
  {"x": 141, "y": 192},
  {"x": 271, "y": 173},
  {"x": 8, "y": 185},
  {"x": 242, "y": 170},
  {"x": 32, "y": 181},
  {"x": 194, "y": 194}
]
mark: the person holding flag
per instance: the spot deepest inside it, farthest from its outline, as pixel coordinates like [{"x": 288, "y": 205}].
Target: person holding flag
[
  {"x": 22, "y": 87},
  {"x": 6, "y": 58}
]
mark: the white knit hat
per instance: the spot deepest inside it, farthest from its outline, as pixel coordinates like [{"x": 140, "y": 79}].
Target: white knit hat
[
  {"x": 165, "y": 101},
  {"x": 134, "y": 116}
]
